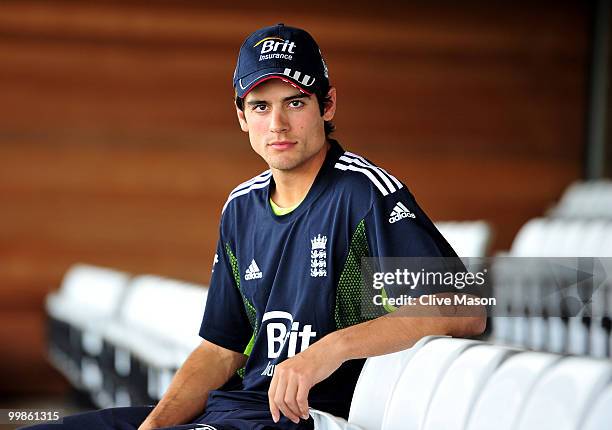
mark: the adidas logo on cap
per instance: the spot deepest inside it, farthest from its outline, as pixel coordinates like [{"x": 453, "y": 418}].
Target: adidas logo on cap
[
  {"x": 400, "y": 212},
  {"x": 253, "y": 272}
]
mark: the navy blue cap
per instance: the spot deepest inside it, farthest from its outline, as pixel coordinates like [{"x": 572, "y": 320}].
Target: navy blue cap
[{"x": 283, "y": 52}]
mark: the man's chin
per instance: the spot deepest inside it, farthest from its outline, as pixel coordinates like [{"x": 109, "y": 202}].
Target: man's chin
[
  {"x": 284, "y": 166},
  {"x": 283, "y": 163}
]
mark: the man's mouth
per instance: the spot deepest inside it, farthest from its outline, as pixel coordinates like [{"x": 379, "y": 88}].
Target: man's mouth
[{"x": 281, "y": 144}]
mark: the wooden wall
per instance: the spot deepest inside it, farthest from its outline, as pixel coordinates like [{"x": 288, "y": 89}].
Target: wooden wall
[{"x": 119, "y": 143}]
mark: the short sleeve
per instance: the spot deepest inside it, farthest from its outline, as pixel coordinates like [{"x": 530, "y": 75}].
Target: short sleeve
[
  {"x": 225, "y": 322},
  {"x": 397, "y": 227}
]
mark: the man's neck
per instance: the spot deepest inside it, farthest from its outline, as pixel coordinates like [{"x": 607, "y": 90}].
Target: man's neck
[{"x": 293, "y": 185}]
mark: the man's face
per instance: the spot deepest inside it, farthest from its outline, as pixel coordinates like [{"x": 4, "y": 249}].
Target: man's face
[{"x": 285, "y": 125}]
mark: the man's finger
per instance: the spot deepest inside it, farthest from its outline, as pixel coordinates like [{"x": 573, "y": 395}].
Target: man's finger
[
  {"x": 271, "y": 393},
  {"x": 289, "y": 399},
  {"x": 279, "y": 396},
  {"x": 302, "y": 400}
]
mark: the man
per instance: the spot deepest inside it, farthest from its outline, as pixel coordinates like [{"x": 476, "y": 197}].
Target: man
[{"x": 288, "y": 318}]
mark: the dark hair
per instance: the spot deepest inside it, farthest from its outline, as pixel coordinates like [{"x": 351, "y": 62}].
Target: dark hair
[{"x": 323, "y": 99}]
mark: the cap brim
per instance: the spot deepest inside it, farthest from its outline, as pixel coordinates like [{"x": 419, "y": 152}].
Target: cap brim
[{"x": 244, "y": 85}]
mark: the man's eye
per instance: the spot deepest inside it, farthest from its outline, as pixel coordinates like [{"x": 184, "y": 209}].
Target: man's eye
[
  {"x": 296, "y": 103},
  {"x": 259, "y": 108}
]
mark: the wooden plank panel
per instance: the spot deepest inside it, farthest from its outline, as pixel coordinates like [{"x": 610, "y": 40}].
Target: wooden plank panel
[
  {"x": 23, "y": 367},
  {"x": 119, "y": 143}
]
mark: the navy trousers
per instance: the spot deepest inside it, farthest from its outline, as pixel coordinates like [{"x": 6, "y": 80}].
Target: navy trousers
[{"x": 130, "y": 418}]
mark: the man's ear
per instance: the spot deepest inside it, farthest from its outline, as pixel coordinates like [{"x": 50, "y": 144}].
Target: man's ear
[
  {"x": 242, "y": 120},
  {"x": 329, "y": 109}
]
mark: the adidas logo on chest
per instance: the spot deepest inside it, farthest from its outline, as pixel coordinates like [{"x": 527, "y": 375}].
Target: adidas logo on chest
[
  {"x": 399, "y": 213},
  {"x": 252, "y": 272}
]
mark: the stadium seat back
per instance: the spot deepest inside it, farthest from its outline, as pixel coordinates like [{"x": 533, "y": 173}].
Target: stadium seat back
[
  {"x": 458, "y": 390},
  {"x": 183, "y": 305},
  {"x": 407, "y": 406},
  {"x": 594, "y": 232},
  {"x": 468, "y": 238},
  {"x": 376, "y": 384},
  {"x": 140, "y": 302},
  {"x": 529, "y": 239},
  {"x": 94, "y": 289},
  {"x": 560, "y": 399},
  {"x": 504, "y": 395},
  {"x": 569, "y": 238},
  {"x": 586, "y": 199},
  {"x": 605, "y": 248},
  {"x": 170, "y": 310},
  {"x": 599, "y": 416}
]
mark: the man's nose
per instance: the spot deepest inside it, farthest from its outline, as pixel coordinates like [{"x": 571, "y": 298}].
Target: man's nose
[{"x": 278, "y": 122}]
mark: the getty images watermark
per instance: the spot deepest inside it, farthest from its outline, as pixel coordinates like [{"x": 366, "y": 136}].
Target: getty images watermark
[
  {"x": 424, "y": 280},
  {"x": 426, "y": 286}
]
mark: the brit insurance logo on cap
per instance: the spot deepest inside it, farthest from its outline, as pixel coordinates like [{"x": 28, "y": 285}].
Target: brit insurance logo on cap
[{"x": 282, "y": 52}]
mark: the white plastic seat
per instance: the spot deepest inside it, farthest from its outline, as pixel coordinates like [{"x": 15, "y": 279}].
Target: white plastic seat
[
  {"x": 557, "y": 335},
  {"x": 158, "y": 325},
  {"x": 160, "y": 312},
  {"x": 87, "y": 293},
  {"x": 599, "y": 416},
  {"x": 559, "y": 234},
  {"x": 374, "y": 386},
  {"x": 503, "y": 272},
  {"x": 364, "y": 411},
  {"x": 572, "y": 239},
  {"x": 594, "y": 233},
  {"x": 87, "y": 300},
  {"x": 407, "y": 407},
  {"x": 529, "y": 239},
  {"x": 326, "y": 421},
  {"x": 504, "y": 395},
  {"x": 598, "y": 339},
  {"x": 578, "y": 337},
  {"x": 586, "y": 199},
  {"x": 537, "y": 333},
  {"x": 560, "y": 399},
  {"x": 468, "y": 238},
  {"x": 456, "y": 393},
  {"x": 605, "y": 242}
]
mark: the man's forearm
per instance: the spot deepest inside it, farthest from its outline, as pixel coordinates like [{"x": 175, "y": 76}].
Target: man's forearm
[
  {"x": 207, "y": 368},
  {"x": 402, "y": 329}
]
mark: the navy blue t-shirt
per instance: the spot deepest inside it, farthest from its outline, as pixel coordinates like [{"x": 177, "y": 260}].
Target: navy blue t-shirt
[{"x": 281, "y": 283}]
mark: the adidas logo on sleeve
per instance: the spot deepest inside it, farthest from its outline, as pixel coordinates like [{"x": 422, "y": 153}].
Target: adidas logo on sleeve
[
  {"x": 253, "y": 272},
  {"x": 400, "y": 212}
]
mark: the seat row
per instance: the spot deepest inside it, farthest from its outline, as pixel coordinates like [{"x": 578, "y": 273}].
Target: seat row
[
  {"x": 554, "y": 287},
  {"x": 122, "y": 338},
  {"x": 557, "y": 237},
  {"x": 585, "y": 199},
  {"x": 457, "y": 384}
]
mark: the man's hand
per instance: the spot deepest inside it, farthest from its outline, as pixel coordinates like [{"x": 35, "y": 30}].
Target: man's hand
[{"x": 294, "y": 377}]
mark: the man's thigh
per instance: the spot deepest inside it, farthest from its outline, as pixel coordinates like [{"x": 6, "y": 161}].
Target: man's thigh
[
  {"x": 239, "y": 419},
  {"x": 103, "y": 419}
]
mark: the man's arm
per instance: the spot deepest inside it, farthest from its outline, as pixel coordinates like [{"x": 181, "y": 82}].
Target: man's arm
[
  {"x": 207, "y": 368},
  {"x": 399, "y": 330}
]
